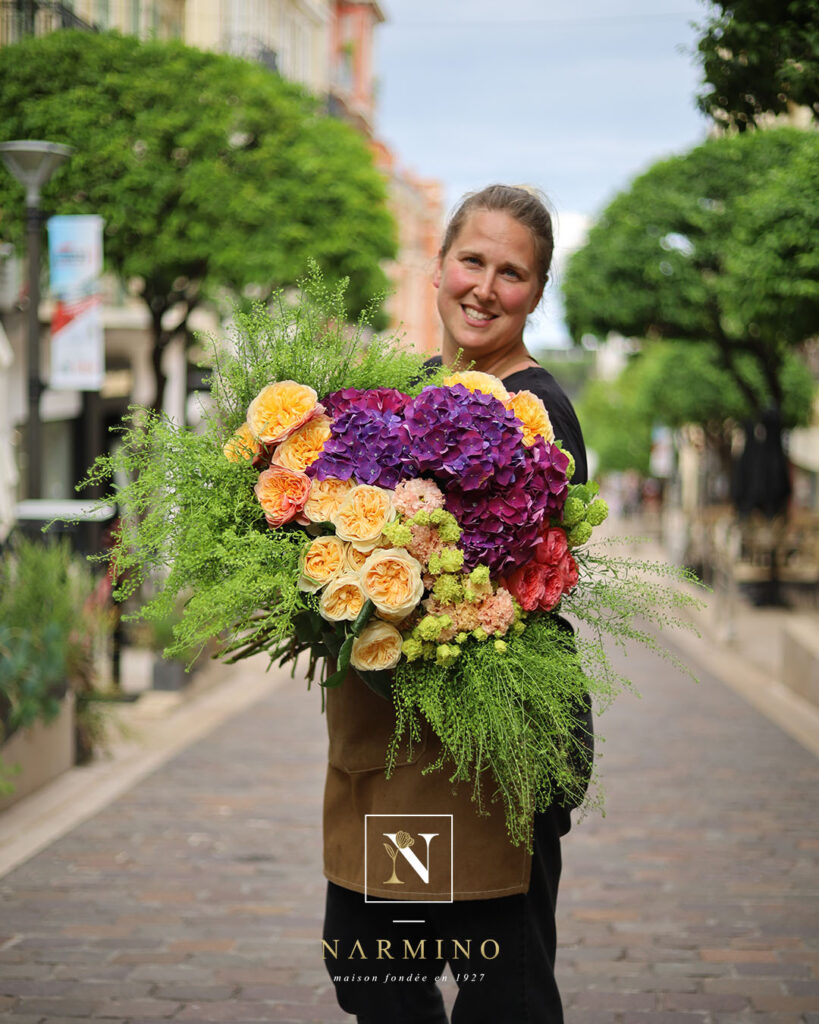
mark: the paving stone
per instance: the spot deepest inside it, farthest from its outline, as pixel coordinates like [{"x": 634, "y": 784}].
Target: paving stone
[{"x": 198, "y": 896}]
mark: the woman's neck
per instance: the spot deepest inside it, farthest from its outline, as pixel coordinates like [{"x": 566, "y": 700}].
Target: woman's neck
[{"x": 499, "y": 363}]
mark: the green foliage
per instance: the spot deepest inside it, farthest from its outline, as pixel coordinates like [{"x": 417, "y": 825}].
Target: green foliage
[
  {"x": 310, "y": 342},
  {"x": 209, "y": 171},
  {"x": 672, "y": 257},
  {"x": 518, "y": 711},
  {"x": 41, "y": 588},
  {"x": 191, "y": 526},
  {"x": 615, "y": 427},
  {"x": 678, "y": 384},
  {"x": 758, "y": 57},
  {"x": 673, "y": 383}
]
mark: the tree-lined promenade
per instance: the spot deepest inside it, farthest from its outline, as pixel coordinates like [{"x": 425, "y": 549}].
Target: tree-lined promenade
[{"x": 216, "y": 178}]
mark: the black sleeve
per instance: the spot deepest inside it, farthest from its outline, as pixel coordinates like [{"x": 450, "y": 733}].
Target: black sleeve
[{"x": 561, "y": 412}]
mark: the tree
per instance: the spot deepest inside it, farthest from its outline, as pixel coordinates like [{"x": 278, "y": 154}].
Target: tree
[
  {"x": 759, "y": 57},
  {"x": 672, "y": 385},
  {"x": 211, "y": 173},
  {"x": 672, "y": 257}
]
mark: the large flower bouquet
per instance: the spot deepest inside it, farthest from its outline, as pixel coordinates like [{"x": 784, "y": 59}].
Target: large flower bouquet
[{"x": 416, "y": 526}]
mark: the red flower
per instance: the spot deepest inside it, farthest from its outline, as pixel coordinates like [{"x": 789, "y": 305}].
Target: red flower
[
  {"x": 569, "y": 569},
  {"x": 552, "y": 590},
  {"x": 527, "y": 585},
  {"x": 553, "y": 547}
]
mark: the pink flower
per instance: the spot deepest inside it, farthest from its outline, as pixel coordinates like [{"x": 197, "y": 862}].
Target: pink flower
[
  {"x": 497, "y": 613},
  {"x": 413, "y": 495},
  {"x": 425, "y": 542}
]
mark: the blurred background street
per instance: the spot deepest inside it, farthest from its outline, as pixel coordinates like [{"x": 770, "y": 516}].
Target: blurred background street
[
  {"x": 197, "y": 894},
  {"x": 165, "y": 164}
]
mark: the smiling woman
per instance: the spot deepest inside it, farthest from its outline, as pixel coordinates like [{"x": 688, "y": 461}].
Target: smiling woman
[{"x": 491, "y": 270}]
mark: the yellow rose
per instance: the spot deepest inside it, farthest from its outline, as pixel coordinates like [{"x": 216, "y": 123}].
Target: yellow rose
[
  {"x": 531, "y": 412},
  {"x": 342, "y": 598},
  {"x": 477, "y": 381},
  {"x": 391, "y": 579},
  {"x": 325, "y": 499},
  {"x": 363, "y": 515},
  {"x": 378, "y": 648},
  {"x": 354, "y": 558},
  {"x": 242, "y": 445},
  {"x": 322, "y": 561},
  {"x": 279, "y": 409},
  {"x": 304, "y": 445}
]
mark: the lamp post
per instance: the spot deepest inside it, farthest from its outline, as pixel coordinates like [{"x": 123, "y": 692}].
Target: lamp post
[{"x": 32, "y": 163}]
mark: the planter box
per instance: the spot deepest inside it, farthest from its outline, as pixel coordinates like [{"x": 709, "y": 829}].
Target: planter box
[{"x": 42, "y": 751}]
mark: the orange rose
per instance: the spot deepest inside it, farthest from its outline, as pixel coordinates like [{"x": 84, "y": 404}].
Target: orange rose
[
  {"x": 325, "y": 499},
  {"x": 531, "y": 412},
  {"x": 282, "y": 494},
  {"x": 363, "y": 515},
  {"x": 279, "y": 409},
  {"x": 477, "y": 381},
  {"x": 304, "y": 445},
  {"x": 391, "y": 579},
  {"x": 342, "y": 598},
  {"x": 321, "y": 561},
  {"x": 378, "y": 648},
  {"x": 242, "y": 445},
  {"x": 354, "y": 558}
]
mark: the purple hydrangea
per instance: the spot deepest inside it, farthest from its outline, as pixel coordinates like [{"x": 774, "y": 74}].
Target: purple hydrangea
[
  {"x": 501, "y": 523},
  {"x": 457, "y": 434},
  {"x": 379, "y": 399},
  {"x": 365, "y": 443}
]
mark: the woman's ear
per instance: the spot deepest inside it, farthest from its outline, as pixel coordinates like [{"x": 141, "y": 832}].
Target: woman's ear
[{"x": 436, "y": 273}]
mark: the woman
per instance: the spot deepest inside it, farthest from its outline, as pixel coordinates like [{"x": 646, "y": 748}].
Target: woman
[{"x": 491, "y": 270}]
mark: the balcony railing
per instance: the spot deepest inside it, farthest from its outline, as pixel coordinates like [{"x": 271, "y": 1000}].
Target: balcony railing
[{"x": 21, "y": 18}]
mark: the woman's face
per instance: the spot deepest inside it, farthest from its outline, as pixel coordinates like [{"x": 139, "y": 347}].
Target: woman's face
[{"x": 487, "y": 284}]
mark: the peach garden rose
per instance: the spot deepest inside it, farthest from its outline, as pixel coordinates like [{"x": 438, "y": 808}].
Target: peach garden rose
[
  {"x": 354, "y": 558},
  {"x": 474, "y": 380},
  {"x": 322, "y": 561},
  {"x": 325, "y": 499},
  {"x": 532, "y": 413},
  {"x": 279, "y": 409},
  {"x": 241, "y": 445},
  {"x": 342, "y": 598},
  {"x": 304, "y": 445},
  {"x": 391, "y": 579},
  {"x": 363, "y": 514},
  {"x": 378, "y": 648},
  {"x": 282, "y": 493}
]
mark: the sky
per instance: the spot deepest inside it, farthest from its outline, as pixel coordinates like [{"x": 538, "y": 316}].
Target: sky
[{"x": 575, "y": 98}]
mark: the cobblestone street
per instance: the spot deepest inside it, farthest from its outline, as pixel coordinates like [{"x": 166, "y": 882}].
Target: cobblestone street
[{"x": 198, "y": 895}]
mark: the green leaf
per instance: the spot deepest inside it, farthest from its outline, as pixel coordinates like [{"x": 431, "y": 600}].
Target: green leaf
[{"x": 338, "y": 677}]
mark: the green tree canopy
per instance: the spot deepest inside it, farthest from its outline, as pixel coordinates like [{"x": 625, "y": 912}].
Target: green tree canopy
[
  {"x": 674, "y": 384},
  {"x": 759, "y": 57},
  {"x": 210, "y": 172},
  {"x": 679, "y": 255}
]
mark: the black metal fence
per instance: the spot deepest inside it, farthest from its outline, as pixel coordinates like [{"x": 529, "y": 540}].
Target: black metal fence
[{"x": 21, "y": 18}]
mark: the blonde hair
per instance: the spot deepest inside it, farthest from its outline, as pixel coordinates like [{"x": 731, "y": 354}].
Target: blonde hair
[{"x": 526, "y": 204}]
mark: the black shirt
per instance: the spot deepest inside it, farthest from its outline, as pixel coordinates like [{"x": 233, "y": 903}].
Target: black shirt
[{"x": 561, "y": 412}]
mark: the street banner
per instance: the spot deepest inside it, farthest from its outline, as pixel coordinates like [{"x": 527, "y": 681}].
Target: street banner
[
  {"x": 78, "y": 345},
  {"x": 77, "y": 335},
  {"x": 75, "y": 255}
]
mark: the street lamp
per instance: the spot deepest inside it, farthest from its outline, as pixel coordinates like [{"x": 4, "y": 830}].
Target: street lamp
[{"x": 32, "y": 163}]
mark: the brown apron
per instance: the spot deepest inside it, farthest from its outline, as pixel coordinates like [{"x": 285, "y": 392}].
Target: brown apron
[{"x": 483, "y": 861}]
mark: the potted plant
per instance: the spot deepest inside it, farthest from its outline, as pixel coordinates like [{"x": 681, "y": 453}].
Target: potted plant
[{"x": 52, "y": 643}]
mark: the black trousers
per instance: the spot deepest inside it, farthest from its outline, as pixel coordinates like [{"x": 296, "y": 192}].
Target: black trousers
[{"x": 508, "y": 974}]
